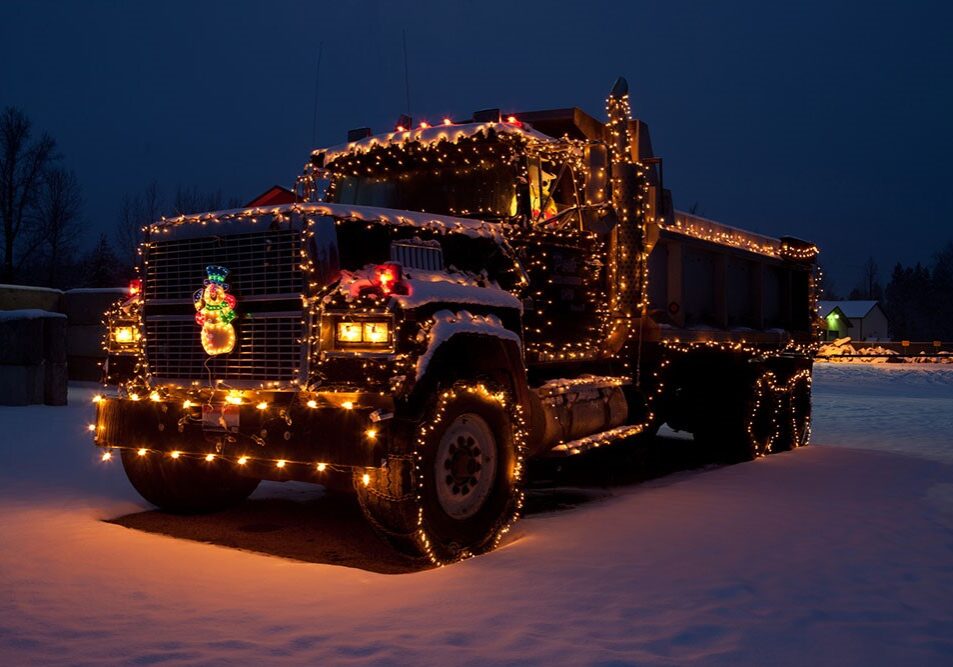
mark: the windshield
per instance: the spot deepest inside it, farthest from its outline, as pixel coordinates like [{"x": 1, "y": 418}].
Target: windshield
[{"x": 487, "y": 191}]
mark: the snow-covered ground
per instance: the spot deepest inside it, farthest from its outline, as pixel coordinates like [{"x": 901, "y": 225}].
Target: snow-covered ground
[{"x": 836, "y": 554}]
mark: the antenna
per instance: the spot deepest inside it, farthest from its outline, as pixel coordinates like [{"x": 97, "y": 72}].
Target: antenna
[
  {"x": 314, "y": 113},
  {"x": 406, "y": 71}
]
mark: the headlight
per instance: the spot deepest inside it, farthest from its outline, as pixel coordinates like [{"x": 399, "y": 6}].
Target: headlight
[
  {"x": 125, "y": 335},
  {"x": 376, "y": 332},
  {"x": 350, "y": 332},
  {"x": 362, "y": 334}
]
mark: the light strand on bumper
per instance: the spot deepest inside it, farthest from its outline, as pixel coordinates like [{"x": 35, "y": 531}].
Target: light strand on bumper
[{"x": 240, "y": 460}]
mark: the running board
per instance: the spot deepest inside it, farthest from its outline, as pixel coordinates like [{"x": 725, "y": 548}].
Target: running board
[{"x": 596, "y": 440}]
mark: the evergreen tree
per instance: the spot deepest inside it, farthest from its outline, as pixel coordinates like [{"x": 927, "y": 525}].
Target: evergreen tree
[{"x": 101, "y": 266}]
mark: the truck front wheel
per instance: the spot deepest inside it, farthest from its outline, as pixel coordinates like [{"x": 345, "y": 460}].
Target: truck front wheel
[
  {"x": 463, "y": 491},
  {"x": 186, "y": 485}
]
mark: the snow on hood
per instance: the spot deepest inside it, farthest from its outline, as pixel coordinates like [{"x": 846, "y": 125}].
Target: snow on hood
[
  {"x": 436, "y": 287},
  {"x": 446, "y": 324}
]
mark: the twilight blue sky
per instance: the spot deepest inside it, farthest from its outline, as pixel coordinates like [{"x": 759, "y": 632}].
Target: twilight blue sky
[{"x": 821, "y": 119}]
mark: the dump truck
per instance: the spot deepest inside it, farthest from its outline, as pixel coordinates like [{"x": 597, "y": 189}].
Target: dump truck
[{"x": 443, "y": 303}]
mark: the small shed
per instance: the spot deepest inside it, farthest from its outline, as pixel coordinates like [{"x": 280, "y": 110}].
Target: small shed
[{"x": 861, "y": 320}]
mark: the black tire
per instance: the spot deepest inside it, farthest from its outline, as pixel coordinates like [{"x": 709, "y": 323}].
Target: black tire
[
  {"x": 795, "y": 419},
  {"x": 765, "y": 411},
  {"x": 186, "y": 485},
  {"x": 744, "y": 425},
  {"x": 459, "y": 491}
]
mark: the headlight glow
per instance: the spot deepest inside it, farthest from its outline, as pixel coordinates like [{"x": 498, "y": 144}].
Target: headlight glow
[
  {"x": 349, "y": 332},
  {"x": 124, "y": 335},
  {"x": 376, "y": 332},
  {"x": 362, "y": 334}
]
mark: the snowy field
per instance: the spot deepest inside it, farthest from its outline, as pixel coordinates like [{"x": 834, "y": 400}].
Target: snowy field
[{"x": 835, "y": 554}]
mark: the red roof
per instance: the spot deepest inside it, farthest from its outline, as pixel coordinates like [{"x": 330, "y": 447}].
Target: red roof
[{"x": 273, "y": 196}]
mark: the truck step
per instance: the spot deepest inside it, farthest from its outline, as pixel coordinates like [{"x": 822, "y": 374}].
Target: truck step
[{"x": 596, "y": 440}]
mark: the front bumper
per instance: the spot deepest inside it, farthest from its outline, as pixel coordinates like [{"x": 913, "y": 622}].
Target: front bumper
[{"x": 333, "y": 429}]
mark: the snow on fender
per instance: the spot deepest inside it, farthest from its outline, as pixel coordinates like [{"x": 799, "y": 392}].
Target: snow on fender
[{"x": 446, "y": 324}]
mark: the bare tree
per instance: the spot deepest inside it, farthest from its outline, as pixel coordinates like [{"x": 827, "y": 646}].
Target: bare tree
[
  {"x": 869, "y": 287},
  {"x": 23, "y": 163},
  {"x": 135, "y": 213},
  {"x": 192, "y": 200},
  {"x": 58, "y": 212},
  {"x": 825, "y": 286},
  {"x": 871, "y": 283}
]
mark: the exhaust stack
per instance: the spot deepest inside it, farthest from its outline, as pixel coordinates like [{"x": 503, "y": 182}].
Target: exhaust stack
[{"x": 627, "y": 263}]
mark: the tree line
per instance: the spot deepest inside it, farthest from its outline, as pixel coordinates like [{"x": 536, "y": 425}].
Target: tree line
[
  {"x": 44, "y": 233},
  {"x": 918, "y": 299}
]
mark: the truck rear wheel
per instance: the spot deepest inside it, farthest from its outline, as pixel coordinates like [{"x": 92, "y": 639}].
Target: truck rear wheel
[
  {"x": 463, "y": 488},
  {"x": 764, "y": 411},
  {"x": 743, "y": 425},
  {"x": 795, "y": 421},
  {"x": 186, "y": 485}
]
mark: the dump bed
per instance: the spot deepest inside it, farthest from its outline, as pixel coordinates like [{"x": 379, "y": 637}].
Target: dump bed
[{"x": 709, "y": 280}]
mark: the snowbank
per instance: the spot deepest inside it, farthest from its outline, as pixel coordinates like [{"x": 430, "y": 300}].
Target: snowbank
[
  {"x": 844, "y": 350},
  {"x": 827, "y": 555},
  {"x": 28, "y": 314}
]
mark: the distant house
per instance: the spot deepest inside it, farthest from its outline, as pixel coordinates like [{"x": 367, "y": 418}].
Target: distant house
[
  {"x": 273, "y": 196},
  {"x": 861, "y": 320}
]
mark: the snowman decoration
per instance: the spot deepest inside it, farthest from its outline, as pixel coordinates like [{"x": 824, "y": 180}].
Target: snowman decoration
[{"x": 215, "y": 310}]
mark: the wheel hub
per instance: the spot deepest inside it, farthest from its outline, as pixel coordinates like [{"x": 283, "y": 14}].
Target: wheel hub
[{"x": 465, "y": 466}]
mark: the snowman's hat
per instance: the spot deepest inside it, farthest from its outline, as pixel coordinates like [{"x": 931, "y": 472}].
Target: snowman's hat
[{"x": 216, "y": 275}]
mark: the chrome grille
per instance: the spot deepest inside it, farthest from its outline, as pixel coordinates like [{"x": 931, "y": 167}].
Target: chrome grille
[
  {"x": 417, "y": 255},
  {"x": 259, "y": 263},
  {"x": 265, "y": 277},
  {"x": 268, "y": 348}
]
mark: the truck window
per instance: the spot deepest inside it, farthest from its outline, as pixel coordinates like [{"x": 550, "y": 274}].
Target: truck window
[
  {"x": 486, "y": 192},
  {"x": 551, "y": 189}
]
